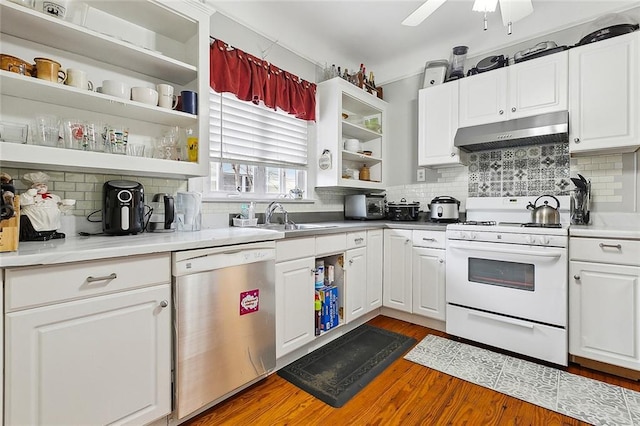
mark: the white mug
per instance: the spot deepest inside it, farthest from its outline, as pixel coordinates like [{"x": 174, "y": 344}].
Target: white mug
[
  {"x": 78, "y": 78},
  {"x": 166, "y": 98},
  {"x": 145, "y": 95},
  {"x": 116, "y": 88}
]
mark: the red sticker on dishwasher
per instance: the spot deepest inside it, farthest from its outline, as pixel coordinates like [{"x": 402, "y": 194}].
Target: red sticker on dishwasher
[{"x": 249, "y": 301}]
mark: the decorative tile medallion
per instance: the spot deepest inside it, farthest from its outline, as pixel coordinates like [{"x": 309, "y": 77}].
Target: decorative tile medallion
[{"x": 520, "y": 171}]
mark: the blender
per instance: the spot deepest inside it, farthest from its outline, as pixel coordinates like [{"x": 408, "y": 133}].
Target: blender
[{"x": 456, "y": 65}]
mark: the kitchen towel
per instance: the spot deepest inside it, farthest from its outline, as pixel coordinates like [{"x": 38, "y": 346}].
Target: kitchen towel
[{"x": 579, "y": 397}]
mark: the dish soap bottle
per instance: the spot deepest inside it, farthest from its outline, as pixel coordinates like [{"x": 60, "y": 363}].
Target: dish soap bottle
[{"x": 365, "y": 173}]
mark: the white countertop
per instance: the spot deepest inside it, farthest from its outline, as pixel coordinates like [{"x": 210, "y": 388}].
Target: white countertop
[
  {"x": 100, "y": 247},
  {"x": 609, "y": 225},
  {"x": 74, "y": 249}
]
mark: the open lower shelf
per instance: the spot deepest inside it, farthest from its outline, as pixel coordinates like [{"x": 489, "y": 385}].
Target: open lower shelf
[
  {"x": 360, "y": 158},
  {"x": 13, "y": 84},
  {"x": 358, "y": 132}
]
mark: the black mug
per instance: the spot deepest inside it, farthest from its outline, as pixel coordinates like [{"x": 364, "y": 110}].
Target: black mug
[{"x": 189, "y": 101}]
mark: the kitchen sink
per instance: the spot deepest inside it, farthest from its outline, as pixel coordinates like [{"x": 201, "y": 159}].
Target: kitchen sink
[{"x": 292, "y": 227}]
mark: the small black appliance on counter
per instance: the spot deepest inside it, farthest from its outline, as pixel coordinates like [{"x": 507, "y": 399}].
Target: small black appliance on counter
[
  {"x": 403, "y": 211},
  {"x": 365, "y": 206},
  {"x": 122, "y": 207}
]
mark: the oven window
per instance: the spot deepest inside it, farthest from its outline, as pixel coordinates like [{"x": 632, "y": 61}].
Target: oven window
[{"x": 520, "y": 276}]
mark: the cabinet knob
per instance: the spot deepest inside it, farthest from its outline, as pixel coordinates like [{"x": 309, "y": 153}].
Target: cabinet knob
[
  {"x": 453, "y": 154},
  {"x": 576, "y": 140},
  {"x": 407, "y": 241},
  {"x": 350, "y": 261},
  {"x": 576, "y": 277},
  {"x": 513, "y": 109},
  {"x": 441, "y": 260},
  {"x": 164, "y": 304},
  {"x": 501, "y": 112}
]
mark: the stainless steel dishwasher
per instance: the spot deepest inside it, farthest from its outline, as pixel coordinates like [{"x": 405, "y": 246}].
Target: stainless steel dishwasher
[{"x": 224, "y": 321}]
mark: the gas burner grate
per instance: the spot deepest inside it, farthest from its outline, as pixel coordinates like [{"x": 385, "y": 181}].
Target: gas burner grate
[
  {"x": 480, "y": 222},
  {"x": 541, "y": 225}
]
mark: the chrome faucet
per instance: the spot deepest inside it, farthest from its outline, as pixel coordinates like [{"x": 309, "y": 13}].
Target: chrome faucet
[{"x": 271, "y": 209}]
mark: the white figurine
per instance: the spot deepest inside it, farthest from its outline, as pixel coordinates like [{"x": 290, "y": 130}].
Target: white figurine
[{"x": 41, "y": 207}]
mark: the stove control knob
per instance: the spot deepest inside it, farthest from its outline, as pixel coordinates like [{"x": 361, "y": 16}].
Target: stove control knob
[
  {"x": 473, "y": 235},
  {"x": 545, "y": 239},
  {"x": 530, "y": 239},
  {"x": 464, "y": 235}
]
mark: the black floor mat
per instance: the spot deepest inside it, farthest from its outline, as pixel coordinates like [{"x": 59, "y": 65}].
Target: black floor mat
[{"x": 338, "y": 370}]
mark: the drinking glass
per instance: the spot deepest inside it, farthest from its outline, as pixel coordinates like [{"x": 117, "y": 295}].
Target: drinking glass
[{"x": 47, "y": 130}]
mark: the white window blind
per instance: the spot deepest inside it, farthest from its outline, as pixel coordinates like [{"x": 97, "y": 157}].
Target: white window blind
[{"x": 244, "y": 132}]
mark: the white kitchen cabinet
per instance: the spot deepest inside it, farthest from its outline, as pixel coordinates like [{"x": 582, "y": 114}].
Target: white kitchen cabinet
[
  {"x": 604, "y": 301},
  {"x": 437, "y": 125},
  {"x": 336, "y": 97},
  {"x": 605, "y": 96},
  {"x": 142, "y": 43},
  {"x": 295, "y": 324},
  {"x": 528, "y": 88},
  {"x": 397, "y": 284},
  {"x": 375, "y": 259},
  {"x": 355, "y": 283},
  {"x": 97, "y": 356},
  {"x": 428, "y": 275}
]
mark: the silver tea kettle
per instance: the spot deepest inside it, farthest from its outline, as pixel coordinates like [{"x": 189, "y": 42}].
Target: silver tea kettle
[{"x": 544, "y": 213}]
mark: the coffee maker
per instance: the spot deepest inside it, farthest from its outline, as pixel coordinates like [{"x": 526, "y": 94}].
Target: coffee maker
[
  {"x": 162, "y": 214},
  {"x": 122, "y": 207}
]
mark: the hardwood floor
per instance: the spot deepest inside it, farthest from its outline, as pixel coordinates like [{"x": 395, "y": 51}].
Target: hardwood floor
[{"x": 404, "y": 394}]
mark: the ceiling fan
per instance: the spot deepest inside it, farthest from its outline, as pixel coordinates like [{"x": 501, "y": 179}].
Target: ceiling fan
[{"x": 511, "y": 11}]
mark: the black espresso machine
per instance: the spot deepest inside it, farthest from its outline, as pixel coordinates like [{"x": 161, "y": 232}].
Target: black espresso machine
[{"x": 122, "y": 207}]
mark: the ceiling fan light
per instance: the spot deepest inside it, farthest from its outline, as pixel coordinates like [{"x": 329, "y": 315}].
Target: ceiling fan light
[
  {"x": 514, "y": 10},
  {"x": 485, "y": 5}
]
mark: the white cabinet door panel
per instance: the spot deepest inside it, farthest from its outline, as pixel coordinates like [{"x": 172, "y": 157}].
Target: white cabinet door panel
[
  {"x": 355, "y": 283},
  {"x": 375, "y": 256},
  {"x": 295, "y": 324},
  {"x": 604, "y": 302},
  {"x": 482, "y": 98},
  {"x": 428, "y": 282},
  {"x": 539, "y": 86},
  {"x": 101, "y": 360},
  {"x": 397, "y": 269},
  {"x": 437, "y": 125},
  {"x": 605, "y": 96}
]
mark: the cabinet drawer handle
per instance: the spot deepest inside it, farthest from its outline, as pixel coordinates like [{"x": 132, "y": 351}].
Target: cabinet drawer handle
[
  {"x": 576, "y": 277},
  {"x": 428, "y": 239},
  {"x": 111, "y": 276},
  {"x": 501, "y": 112},
  {"x": 615, "y": 246},
  {"x": 358, "y": 240}
]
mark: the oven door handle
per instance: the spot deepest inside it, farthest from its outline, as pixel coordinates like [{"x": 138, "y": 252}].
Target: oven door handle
[
  {"x": 505, "y": 320},
  {"x": 493, "y": 250}
]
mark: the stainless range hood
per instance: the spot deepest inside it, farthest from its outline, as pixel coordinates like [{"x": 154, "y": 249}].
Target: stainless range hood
[{"x": 537, "y": 130}]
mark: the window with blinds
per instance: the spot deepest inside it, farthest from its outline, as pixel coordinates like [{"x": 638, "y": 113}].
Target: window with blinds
[{"x": 253, "y": 149}]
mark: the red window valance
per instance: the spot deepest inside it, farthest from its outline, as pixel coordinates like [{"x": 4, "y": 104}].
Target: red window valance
[{"x": 253, "y": 79}]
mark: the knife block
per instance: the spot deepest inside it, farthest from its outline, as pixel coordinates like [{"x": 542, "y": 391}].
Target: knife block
[{"x": 10, "y": 229}]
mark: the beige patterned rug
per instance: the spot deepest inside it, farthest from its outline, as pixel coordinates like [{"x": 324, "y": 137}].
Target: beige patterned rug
[{"x": 579, "y": 397}]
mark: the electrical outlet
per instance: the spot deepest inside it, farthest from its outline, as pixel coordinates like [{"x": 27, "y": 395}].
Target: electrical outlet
[{"x": 420, "y": 176}]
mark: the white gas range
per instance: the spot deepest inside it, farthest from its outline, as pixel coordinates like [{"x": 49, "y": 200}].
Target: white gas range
[{"x": 507, "y": 282}]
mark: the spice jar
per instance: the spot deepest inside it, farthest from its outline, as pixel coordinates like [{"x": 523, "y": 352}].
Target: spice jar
[{"x": 364, "y": 172}]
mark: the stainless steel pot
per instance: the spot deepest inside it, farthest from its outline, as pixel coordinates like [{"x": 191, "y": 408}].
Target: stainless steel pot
[
  {"x": 544, "y": 213},
  {"x": 444, "y": 209}
]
